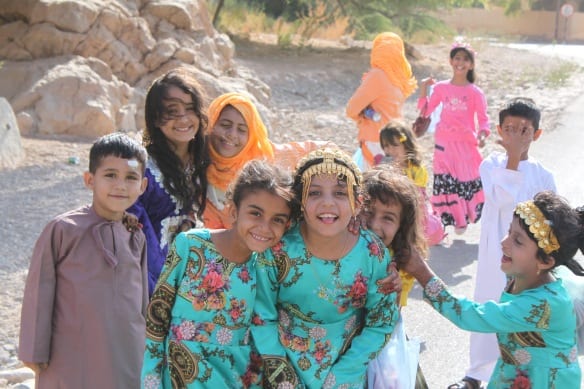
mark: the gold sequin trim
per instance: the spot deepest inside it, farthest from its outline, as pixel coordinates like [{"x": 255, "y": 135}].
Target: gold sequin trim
[
  {"x": 334, "y": 162},
  {"x": 539, "y": 227}
]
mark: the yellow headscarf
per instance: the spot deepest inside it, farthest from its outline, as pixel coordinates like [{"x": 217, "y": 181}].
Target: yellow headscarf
[
  {"x": 388, "y": 54},
  {"x": 223, "y": 170}
]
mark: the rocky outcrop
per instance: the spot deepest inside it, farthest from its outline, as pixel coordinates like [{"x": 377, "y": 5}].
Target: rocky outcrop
[
  {"x": 82, "y": 67},
  {"x": 11, "y": 151}
]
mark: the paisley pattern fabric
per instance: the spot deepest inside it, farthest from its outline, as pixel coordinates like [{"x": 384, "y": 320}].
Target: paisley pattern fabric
[
  {"x": 198, "y": 320},
  {"x": 536, "y": 330},
  {"x": 318, "y": 323}
]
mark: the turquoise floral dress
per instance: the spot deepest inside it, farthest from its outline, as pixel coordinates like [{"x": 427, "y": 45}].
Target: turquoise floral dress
[
  {"x": 198, "y": 320},
  {"x": 318, "y": 323},
  {"x": 536, "y": 330}
]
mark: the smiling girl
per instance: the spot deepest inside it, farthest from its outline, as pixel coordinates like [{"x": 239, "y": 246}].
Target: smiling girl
[
  {"x": 320, "y": 315},
  {"x": 457, "y": 192},
  {"x": 177, "y": 159},
  {"x": 237, "y": 134},
  {"x": 199, "y": 316},
  {"x": 534, "y": 320}
]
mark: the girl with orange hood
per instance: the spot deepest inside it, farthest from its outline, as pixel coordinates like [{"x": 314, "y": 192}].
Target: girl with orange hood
[
  {"x": 384, "y": 89},
  {"x": 237, "y": 134}
]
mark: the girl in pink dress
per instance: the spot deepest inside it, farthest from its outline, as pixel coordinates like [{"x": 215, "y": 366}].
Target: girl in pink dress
[{"x": 457, "y": 194}]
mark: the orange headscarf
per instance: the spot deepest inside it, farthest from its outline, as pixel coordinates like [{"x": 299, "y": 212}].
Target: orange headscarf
[
  {"x": 388, "y": 54},
  {"x": 222, "y": 170}
]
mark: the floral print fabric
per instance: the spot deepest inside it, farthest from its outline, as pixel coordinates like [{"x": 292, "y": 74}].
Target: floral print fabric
[
  {"x": 198, "y": 320},
  {"x": 318, "y": 322},
  {"x": 536, "y": 330}
]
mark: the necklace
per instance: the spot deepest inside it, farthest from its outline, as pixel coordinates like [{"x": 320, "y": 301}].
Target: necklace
[{"x": 189, "y": 169}]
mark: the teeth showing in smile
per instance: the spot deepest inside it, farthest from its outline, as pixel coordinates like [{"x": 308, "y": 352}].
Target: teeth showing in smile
[
  {"x": 327, "y": 217},
  {"x": 185, "y": 129},
  {"x": 260, "y": 238}
]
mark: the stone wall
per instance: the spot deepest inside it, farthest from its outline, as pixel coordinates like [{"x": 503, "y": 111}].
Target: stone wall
[{"x": 537, "y": 25}]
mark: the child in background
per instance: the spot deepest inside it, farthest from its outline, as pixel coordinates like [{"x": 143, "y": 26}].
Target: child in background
[
  {"x": 237, "y": 134},
  {"x": 177, "y": 159},
  {"x": 320, "y": 316},
  {"x": 399, "y": 144},
  {"x": 384, "y": 90},
  {"x": 457, "y": 194},
  {"x": 392, "y": 210},
  {"x": 199, "y": 316},
  {"x": 85, "y": 298},
  {"x": 508, "y": 178},
  {"x": 534, "y": 321}
]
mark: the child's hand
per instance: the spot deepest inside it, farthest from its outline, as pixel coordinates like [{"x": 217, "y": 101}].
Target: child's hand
[
  {"x": 131, "y": 222},
  {"x": 36, "y": 367},
  {"x": 356, "y": 223},
  {"x": 516, "y": 140},
  {"x": 482, "y": 139},
  {"x": 416, "y": 266},
  {"x": 187, "y": 224},
  {"x": 426, "y": 82},
  {"x": 391, "y": 283}
]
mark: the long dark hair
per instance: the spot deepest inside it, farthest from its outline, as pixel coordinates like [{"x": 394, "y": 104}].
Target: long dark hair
[{"x": 191, "y": 191}]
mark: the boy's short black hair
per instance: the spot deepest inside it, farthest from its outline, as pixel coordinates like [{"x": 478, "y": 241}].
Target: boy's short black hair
[
  {"x": 522, "y": 107},
  {"x": 119, "y": 145}
]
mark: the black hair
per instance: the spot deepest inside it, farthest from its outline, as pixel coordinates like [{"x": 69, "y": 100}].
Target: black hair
[
  {"x": 259, "y": 175},
  {"x": 567, "y": 225},
  {"x": 522, "y": 107},
  {"x": 470, "y": 74},
  {"x": 116, "y": 144},
  {"x": 392, "y": 134},
  {"x": 189, "y": 190},
  {"x": 388, "y": 185}
]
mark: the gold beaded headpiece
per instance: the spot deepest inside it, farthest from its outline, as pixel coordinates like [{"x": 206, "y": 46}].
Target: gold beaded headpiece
[
  {"x": 334, "y": 162},
  {"x": 539, "y": 226}
]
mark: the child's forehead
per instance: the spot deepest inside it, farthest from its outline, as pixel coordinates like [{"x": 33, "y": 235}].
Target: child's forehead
[
  {"x": 389, "y": 201},
  {"x": 516, "y": 120},
  {"x": 322, "y": 179},
  {"x": 118, "y": 163}
]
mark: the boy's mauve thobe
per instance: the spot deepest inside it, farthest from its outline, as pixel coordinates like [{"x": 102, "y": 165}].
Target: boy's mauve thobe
[{"x": 84, "y": 303}]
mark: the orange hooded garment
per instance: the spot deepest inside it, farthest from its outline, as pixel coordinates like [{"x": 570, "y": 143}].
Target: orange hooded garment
[
  {"x": 385, "y": 87},
  {"x": 223, "y": 171}
]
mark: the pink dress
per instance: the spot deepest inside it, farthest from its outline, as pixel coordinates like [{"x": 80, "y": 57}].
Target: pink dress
[
  {"x": 457, "y": 194},
  {"x": 84, "y": 304}
]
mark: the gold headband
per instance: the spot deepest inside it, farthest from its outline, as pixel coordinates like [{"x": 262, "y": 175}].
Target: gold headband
[
  {"x": 334, "y": 162},
  {"x": 538, "y": 226}
]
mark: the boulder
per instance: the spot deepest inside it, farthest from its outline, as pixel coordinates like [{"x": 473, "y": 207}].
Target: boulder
[
  {"x": 11, "y": 151},
  {"x": 82, "y": 67}
]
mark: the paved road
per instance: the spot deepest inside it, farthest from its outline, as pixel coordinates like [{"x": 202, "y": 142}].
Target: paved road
[{"x": 444, "y": 358}]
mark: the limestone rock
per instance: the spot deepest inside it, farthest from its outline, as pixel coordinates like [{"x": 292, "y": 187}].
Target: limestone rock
[
  {"x": 11, "y": 151},
  {"x": 82, "y": 67}
]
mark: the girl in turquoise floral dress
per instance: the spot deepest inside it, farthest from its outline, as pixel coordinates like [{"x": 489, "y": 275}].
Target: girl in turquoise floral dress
[
  {"x": 320, "y": 316},
  {"x": 199, "y": 317},
  {"x": 534, "y": 320}
]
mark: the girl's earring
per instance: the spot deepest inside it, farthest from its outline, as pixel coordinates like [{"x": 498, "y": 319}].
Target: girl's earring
[{"x": 538, "y": 271}]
